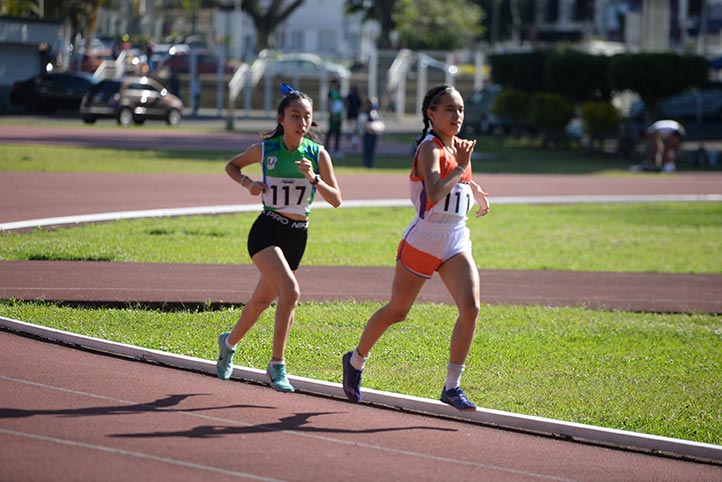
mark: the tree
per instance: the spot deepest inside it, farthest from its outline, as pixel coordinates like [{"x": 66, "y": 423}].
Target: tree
[
  {"x": 381, "y": 11},
  {"x": 578, "y": 76},
  {"x": 656, "y": 75},
  {"x": 19, "y": 8},
  {"x": 433, "y": 25},
  {"x": 266, "y": 21}
]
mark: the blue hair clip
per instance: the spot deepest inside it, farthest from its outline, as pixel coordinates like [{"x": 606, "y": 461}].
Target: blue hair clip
[{"x": 287, "y": 89}]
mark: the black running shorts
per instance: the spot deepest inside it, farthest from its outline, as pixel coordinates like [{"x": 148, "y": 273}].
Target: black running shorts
[{"x": 274, "y": 229}]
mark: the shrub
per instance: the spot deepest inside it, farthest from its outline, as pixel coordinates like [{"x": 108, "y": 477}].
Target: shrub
[
  {"x": 549, "y": 114},
  {"x": 600, "y": 119},
  {"x": 513, "y": 105}
]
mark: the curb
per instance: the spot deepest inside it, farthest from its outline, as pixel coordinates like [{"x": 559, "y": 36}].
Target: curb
[
  {"x": 620, "y": 439},
  {"x": 241, "y": 208}
]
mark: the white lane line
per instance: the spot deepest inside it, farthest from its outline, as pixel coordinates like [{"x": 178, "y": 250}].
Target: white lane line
[
  {"x": 138, "y": 455},
  {"x": 267, "y": 428},
  {"x": 241, "y": 208}
]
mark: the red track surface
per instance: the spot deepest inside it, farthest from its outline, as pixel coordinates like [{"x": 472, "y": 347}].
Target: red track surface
[{"x": 70, "y": 415}]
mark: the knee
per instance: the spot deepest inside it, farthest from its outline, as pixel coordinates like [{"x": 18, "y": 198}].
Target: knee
[
  {"x": 469, "y": 312},
  {"x": 289, "y": 293},
  {"x": 260, "y": 304},
  {"x": 395, "y": 314}
]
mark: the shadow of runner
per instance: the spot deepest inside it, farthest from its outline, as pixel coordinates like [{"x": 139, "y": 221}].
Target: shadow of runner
[
  {"x": 160, "y": 405},
  {"x": 297, "y": 423}
]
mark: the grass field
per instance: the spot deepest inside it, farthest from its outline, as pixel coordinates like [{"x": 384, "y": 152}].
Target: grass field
[
  {"x": 645, "y": 237},
  {"x": 653, "y": 373}
]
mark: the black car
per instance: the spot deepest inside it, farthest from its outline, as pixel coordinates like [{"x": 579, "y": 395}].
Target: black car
[
  {"x": 52, "y": 91},
  {"x": 478, "y": 115},
  {"x": 131, "y": 100}
]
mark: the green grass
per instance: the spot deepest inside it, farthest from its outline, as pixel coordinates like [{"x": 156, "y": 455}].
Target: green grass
[
  {"x": 644, "y": 237},
  {"x": 659, "y": 374}
]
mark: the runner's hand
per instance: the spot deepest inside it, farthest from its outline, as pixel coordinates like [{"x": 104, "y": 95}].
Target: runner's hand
[
  {"x": 462, "y": 150},
  {"x": 305, "y": 167},
  {"x": 481, "y": 198}
]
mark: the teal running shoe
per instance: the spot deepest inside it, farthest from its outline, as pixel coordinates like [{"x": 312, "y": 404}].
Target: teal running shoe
[
  {"x": 279, "y": 379},
  {"x": 224, "y": 365}
]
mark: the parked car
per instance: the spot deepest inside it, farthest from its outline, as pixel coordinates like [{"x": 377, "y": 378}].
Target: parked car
[
  {"x": 707, "y": 99},
  {"x": 478, "y": 116},
  {"x": 305, "y": 65},
  {"x": 52, "y": 91},
  {"x": 131, "y": 100},
  {"x": 180, "y": 62}
]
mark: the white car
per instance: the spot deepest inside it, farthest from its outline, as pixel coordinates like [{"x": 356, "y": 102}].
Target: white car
[{"x": 305, "y": 65}]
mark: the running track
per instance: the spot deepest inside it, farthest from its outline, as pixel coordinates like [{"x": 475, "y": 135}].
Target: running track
[{"x": 87, "y": 416}]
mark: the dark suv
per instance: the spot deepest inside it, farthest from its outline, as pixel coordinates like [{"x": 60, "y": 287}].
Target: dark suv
[
  {"x": 131, "y": 100},
  {"x": 52, "y": 91}
]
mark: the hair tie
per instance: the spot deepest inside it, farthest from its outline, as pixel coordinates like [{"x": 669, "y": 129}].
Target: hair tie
[{"x": 287, "y": 89}]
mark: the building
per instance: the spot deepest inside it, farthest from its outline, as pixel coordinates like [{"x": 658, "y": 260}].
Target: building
[{"x": 25, "y": 46}]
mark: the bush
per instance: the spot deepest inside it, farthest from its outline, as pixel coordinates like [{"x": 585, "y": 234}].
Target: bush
[
  {"x": 656, "y": 75},
  {"x": 577, "y": 76},
  {"x": 513, "y": 105},
  {"x": 600, "y": 119},
  {"x": 519, "y": 71},
  {"x": 549, "y": 114}
]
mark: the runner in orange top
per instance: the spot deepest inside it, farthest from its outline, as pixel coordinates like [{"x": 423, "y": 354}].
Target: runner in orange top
[{"x": 438, "y": 239}]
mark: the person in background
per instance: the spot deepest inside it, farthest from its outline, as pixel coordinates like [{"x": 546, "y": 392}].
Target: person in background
[
  {"x": 437, "y": 240},
  {"x": 371, "y": 126},
  {"x": 293, "y": 162},
  {"x": 335, "y": 117},
  {"x": 663, "y": 139},
  {"x": 353, "y": 109},
  {"x": 196, "y": 94}
]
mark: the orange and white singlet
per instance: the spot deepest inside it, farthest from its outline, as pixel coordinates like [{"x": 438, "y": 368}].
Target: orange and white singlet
[{"x": 439, "y": 230}]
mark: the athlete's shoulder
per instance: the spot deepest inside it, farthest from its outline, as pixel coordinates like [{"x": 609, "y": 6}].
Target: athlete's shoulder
[
  {"x": 272, "y": 145},
  {"x": 310, "y": 148}
]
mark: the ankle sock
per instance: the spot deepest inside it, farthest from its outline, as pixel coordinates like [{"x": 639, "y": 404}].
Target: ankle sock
[
  {"x": 453, "y": 375},
  {"x": 358, "y": 361}
]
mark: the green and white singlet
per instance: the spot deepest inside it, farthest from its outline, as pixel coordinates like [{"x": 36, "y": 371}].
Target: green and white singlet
[{"x": 288, "y": 189}]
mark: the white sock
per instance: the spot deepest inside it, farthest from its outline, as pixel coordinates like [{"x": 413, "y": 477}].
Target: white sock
[
  {"x": 358, "y": 361},
  {"x": 273, "y": 363},
  {"x": 228, "y": 345},
  {"x": 453, "y": 375}
]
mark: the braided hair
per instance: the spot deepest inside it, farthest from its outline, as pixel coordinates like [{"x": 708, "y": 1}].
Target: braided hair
[
  {"x": 289, "y": 97},
  {"x": 431, "y": 99}
]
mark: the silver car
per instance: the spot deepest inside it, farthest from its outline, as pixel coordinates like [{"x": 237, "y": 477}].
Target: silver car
[{"x": 131, "y": 100}]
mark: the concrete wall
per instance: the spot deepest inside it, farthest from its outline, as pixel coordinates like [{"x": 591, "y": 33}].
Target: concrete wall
[{"x": 20, "y": 41}]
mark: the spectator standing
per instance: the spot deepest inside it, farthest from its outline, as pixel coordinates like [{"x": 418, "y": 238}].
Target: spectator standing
[
  {"x": 353, "y": 109},
  {"x": 335, "y": 117},
  {"x": 371, "y": 127}
]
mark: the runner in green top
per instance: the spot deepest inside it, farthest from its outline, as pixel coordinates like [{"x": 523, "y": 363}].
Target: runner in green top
[
  {"x": 295, "y": 167},
  {"x": 288, "y": 190}
]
